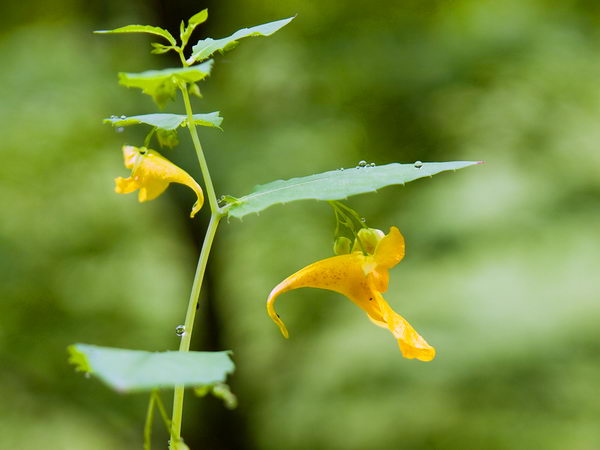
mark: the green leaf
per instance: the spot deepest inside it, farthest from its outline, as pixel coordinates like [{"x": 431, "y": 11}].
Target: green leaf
[
  {"x": 158, "y": 120},
  {"x": 198, "y": 18},
  {"x": 142, "y": 29},
  {"x": 135, "y": 370},
  {"x": 194, "y": 90},
  {"x": 219, "y": 390},
  {"x": 78, "y": 359},
  {"x": 336, "y": 184},
  {"x": 166, "y": 121},
  {"x": 167, "y": 138},
  {"x": 206, "y": 47},
  {"x": 159, "y": 49},
  {"x": 162, "y": 85},
  {"x": 212, "y": 119},
  {"x": 194, "y": 21}
]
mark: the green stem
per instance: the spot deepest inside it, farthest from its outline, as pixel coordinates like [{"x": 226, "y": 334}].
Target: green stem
[
  {"x": 215, "y": 217},
  {"x": 154, "y": 400},
  {"x": 179, "y": 51},
  {"x": 148, "y": 425},
  {"x": 184, "y": 346},
  {"x": 162, "y": 410},
  {"x": 149, "y": 137},
  {"x": 210, "y": 190},
  {"x": 344, "y": 215}
]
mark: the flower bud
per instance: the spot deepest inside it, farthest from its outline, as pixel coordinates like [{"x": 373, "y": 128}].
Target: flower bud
[
  {"x": 342, "y": 245},
  {"x": 369, "y": 238}
]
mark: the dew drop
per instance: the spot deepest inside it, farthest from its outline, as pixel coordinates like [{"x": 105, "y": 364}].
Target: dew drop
[
  {"x": 363, "y": 220},
  {"x": 418, "y": 164},
  {"x": 180, "y": 330},
  {"x": 362, "y": 163},
  {"x": 113, "y": 116},
  {"x": 372, "y": 165},
  {"x": 123, "y": 117},
  {"x": 120, "y": 129}
]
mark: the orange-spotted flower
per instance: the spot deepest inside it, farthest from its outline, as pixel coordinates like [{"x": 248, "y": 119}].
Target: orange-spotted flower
[
  {"x": 152, "y": 173},
  {"x": 362, "y": 278}
]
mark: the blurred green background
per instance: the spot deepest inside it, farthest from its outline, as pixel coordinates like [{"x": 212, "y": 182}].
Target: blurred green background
[{"x": 503, "y": 260}]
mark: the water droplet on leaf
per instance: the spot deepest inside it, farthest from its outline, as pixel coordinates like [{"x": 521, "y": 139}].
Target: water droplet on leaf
[
  {"x": 180, "y": 330},
  {"x": 362, "y": 163},
  {"x": 363, "y": 220},
  {"x": 123, "y": 117},
  {"x": 372, "y": 165},
  {"x": 418, "y": 164},
  {"x": 120, "y": 129}
]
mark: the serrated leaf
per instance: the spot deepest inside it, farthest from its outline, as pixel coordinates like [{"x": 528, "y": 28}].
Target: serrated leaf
[
  {"x": 212, "y": 119},
  {"x": 135, "y": 370},
  {"x": 149, "y": 29},
  {"x": 159, "y": 120},
  {"x": 162, "y": 85},
  {"x": 336, "y": 185},
  {"x": 195, "y": 20},
  {"x": 166, "y": 121},
  {"x": 206, "y": 47}
]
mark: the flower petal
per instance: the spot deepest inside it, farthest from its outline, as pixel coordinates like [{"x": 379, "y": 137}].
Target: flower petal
[
  {"x": 129, "y": 155},
  {"x": 152, "y": 173},
  {"x": 125, "y": 185},
  {"x": 412, "y": 345},
  {"x": 343, "y": 274},
  {"x": 151, "y": 189},
  {"x": 380, "y": 278},
  {"x": 361, "y": 278},
  {"x": 390, "y": 249}
]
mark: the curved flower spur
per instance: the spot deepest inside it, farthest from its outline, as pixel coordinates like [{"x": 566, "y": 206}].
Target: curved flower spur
[
  {"x": 362, "y": 278},
  {"x": 152, "y": 173}
]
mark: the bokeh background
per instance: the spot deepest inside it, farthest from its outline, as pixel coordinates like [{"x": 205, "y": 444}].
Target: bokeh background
[{"x": 503, "y": 260}]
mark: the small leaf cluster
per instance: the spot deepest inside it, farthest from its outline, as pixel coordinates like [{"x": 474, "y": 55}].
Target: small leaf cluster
[{"x": 162, "y": 85}]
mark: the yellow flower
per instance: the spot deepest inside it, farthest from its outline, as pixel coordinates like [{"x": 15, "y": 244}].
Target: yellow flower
[
  {"x": 361, "y": 278},
  {"x": 152, "y": 173}
]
